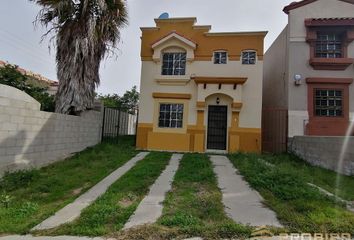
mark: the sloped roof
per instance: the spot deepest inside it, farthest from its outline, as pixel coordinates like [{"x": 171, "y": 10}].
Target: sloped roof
[
  {"x": 36, "y": 76},
  {"x": 295, "y": 5},
  {"x": 329, "y": 22}
]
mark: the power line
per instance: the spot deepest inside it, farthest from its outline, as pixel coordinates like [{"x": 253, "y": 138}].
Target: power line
[
  {"x": 22, "y": 42},
  {"x": 34, "y": 57}
]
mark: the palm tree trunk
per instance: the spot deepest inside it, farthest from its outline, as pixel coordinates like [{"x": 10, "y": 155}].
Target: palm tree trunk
[{"x": 78, "y": 64}]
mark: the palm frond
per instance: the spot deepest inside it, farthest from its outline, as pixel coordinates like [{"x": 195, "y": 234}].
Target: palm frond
[{"x": 86, "y": 30}]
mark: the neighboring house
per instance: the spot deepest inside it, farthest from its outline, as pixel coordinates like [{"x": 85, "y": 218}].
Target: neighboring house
[
  {"x": 200, "y": 90},
  {"x": 41, "y": 80},
  {"x": 308, "y": 73}
]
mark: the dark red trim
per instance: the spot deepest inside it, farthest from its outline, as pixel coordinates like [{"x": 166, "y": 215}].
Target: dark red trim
[
  {"x": 336, "y": 25},
  {"x": 295, "y": 5},
  {"x": 331, "y": 63},
  {"x": 321, "y": 22},
  {"x": 330, "y": 80},
  {"x": 327, "y": 126}
]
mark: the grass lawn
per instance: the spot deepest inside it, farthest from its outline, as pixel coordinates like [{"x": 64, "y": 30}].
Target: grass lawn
[
  {"x": 111, "y": 211},
  {"x": 29, "y": 197},
  {"x": 299, "y": 207},
  {"x": 326, "y": 179},
  {"x": 194, "y": 206}
]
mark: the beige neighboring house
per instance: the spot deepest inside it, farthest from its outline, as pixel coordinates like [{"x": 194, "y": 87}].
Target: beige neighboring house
[
  {"x": 200, "y": 91},
  {"x": 52, "y": 85},
  {"x": 308, "y": 73}
]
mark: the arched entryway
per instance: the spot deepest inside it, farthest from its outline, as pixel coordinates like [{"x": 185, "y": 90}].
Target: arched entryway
[{"x": 218, "y": 112}]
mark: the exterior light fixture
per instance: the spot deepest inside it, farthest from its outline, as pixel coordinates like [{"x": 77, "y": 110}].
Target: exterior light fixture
[
  {"x": 297, "y": 78},
  {"x": 217, "y": 101}
]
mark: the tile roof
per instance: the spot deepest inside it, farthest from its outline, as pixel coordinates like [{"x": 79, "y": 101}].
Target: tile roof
[
  {"x": 37, "y": 76},
  {"x": 344, "y": 21},
  {"x": 295, "y": 5}
]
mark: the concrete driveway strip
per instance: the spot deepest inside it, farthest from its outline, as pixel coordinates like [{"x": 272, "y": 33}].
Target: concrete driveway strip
[
  {"x": 242, "y": 204},
  {"x": 150, "y": 208},
  {"x": 73, "y": 210}
]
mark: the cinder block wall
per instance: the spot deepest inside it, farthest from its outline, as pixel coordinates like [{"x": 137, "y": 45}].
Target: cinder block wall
[
  {"x": 325, "y": 152},
  {"x": 32, "y": 138}
]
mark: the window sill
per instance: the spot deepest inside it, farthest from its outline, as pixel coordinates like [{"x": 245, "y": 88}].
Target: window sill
[
  {"x": 331, "y": 63},
  {"x": 173, "y": 80},
  {"x": 329, "y": 119}
]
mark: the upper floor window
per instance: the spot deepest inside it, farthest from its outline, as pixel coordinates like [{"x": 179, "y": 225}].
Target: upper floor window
[
  {"x": 329, "y": 45},
  {"x": 249, "y": 57},
  {"x": 328, "y": 103},
  {"x": 220, "y": 57},
  {"x": 174, "y": 63}
]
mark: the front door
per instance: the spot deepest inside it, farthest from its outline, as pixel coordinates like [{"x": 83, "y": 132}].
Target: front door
[{"x": 217, "y": 127}]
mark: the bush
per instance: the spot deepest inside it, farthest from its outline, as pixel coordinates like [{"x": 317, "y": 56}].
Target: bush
[{"x": 15, "y": 180}]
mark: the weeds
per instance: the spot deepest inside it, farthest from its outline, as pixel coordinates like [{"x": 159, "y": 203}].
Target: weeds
[{"x": 31, "y": 196}]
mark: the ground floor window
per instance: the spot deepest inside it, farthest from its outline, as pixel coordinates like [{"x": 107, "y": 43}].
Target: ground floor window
[
  {"x": 328, "y": 102},
  {"x": 171, "y": 115}
]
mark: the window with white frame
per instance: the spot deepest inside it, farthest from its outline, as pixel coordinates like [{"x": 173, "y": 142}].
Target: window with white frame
[
  {"x": 174, "y": 63},
  {"x": 171, "y": 115},
  {"x": 220, "y": 57},
  {"x": 249, "y": 57}
]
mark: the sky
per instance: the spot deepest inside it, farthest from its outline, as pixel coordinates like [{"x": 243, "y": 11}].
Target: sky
[{"x": 20, "y": 39}]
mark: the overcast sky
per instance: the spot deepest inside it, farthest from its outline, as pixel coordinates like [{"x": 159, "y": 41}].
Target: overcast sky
[{"x": 20, "y": 40}]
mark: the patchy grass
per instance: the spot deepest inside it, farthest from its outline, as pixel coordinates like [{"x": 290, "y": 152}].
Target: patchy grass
[
  {"x": 194, "y": 205},
  {"x": 324, "y": 178},
  {"x": 110, "y": 212},
  {"x": 29, "y": 197},
  {"x": 299, "y": 207},
  {"x": 192, "y": 208}
]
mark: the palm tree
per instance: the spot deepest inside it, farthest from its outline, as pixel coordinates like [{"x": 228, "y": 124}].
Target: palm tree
[{"x": 85, "y": 31}]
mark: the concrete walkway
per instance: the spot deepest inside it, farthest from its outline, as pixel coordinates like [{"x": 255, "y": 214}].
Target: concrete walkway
[
  {"x": 242, "y": 204},
  {"x": 73, "y": 210},
  {"x": 150, "y": 208}
]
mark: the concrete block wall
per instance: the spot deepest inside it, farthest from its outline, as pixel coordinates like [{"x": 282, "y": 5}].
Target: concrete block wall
[
  {"x": 325, "y": 152},
  {"x": 33, "y": 138}
]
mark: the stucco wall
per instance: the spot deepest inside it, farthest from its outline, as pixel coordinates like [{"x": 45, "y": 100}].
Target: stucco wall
[
  {"x": 299, "y": 55},
  {"x": 32, "y": 138},
  {"x": 203, "y": 84},
  {"x": 325, "y": 152},
  {"x": 275, "y": 75},
  {"x": 250, "y": 115}
]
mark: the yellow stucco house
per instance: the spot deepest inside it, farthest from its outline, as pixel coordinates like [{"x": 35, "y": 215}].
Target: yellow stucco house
[{"x": 200, "y": 91}]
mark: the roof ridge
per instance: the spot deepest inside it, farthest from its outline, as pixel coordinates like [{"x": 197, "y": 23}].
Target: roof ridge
[
  {"x": 29, "y": 73},
  {"x": 295, "y": 5}
]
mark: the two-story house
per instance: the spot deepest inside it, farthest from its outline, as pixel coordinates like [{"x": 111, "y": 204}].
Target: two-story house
[
  {"x": 200, "y": 91},
  {"x": 308, "y": 72}
]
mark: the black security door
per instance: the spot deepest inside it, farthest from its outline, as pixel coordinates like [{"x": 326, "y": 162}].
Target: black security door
[{"x": 217, "y": 127}]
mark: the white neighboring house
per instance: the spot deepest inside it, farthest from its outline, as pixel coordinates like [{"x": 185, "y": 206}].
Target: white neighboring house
[{"x": 308, "y": 71}]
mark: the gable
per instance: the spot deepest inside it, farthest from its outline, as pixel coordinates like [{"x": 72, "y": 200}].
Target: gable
[
  {"x": 295, "y": 5},
  {"x": 176, "y": 36}
]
